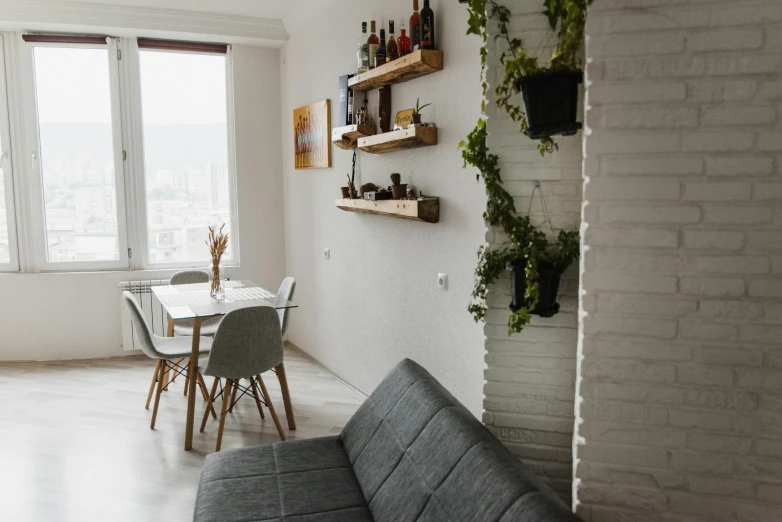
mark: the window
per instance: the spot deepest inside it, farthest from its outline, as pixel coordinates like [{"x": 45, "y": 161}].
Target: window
[
  {"x": 97, "y": 200},
  {"x": 8, "y": 247},
  {"x": 185, "y": 127},
  {"x": 77, "y": 155}
]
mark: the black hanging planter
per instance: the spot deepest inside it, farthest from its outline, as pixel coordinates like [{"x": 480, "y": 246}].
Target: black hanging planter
[
  {"x": 551, "y": 103},
  {"x": 548, "y": 286}
]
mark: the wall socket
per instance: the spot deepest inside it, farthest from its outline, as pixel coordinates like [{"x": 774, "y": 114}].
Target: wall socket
[
  {"x": 327, "y": 254},
  {"x": 442, "y": 281}
]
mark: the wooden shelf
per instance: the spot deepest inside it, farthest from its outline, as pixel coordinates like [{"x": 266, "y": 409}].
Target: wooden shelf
[
  {"x": 427, "y": 210},
  {"x": 413, "y": 65},
  {"x": 346, "y": 137},
  {"x": 412, "y": 138}
]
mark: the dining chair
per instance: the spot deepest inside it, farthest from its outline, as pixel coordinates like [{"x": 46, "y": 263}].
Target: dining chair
[
  {"x": 285, "y": 293},
  {"x": 184, "y": 327},
  {"x": 248, "y": 342},
  {"x": 166, "y": 351}
]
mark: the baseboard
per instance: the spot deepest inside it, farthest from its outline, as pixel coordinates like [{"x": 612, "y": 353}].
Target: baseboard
[{"x": 316, "y": 362}]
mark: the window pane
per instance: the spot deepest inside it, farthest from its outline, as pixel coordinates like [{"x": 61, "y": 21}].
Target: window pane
[
  {"x": 183, "y": 99},
  {"x": 77, "y": 156},
  {"x": 5, "y": 250}
]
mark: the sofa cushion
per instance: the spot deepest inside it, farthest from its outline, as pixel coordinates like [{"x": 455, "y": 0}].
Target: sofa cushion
[
  {"x": 419, "y": 455},
  {"x": 303, "y": 481}
]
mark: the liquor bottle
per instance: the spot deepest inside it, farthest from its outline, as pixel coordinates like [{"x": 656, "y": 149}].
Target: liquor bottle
[
  {"x": 403, "y": 42},
  {"x": 380, "y": 54},
  {"x": 392, "y": 49},
  {"x": 362, "y": 51},
  {"x": 372, "y": 44},
  {"x": 415, "y": 28},
  {"x": 350, "y": 107},
  {"x": 427, "y": 27}
]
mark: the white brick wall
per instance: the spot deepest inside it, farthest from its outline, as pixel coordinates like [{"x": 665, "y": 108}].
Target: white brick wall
[
  {"x": 530, "y": 377},
  {"x": 679, "y": 410}
]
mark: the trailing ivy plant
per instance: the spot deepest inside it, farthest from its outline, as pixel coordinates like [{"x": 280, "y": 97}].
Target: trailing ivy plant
[{"x": 526, "y": 242}]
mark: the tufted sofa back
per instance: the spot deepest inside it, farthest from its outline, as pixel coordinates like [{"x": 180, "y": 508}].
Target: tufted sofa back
[{"x": 419, "y": 455}]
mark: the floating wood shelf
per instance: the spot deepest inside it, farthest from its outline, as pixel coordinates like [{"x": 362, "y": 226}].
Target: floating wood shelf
[
  {"x": 412, "y": 138},
  {"x": 347, "y": 137},
  {"x": 413, "y": 65},
  {"x": 427, "y": 210}
]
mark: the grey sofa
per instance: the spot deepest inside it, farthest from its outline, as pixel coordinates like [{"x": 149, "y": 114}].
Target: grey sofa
[{"x": 410, "y": 453}]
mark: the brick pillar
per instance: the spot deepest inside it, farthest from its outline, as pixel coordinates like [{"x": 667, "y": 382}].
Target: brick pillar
[
  {"x": 530, "y": 377},
  {"x": 680, "y": 386}
]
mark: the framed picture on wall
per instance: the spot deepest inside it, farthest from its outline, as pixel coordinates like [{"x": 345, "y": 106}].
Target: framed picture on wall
[{"x": 311, "y": 131}]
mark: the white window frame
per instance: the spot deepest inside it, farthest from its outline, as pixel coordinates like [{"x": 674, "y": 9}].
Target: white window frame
[
  {"x": 35, "y": 172},
  {"x": 133, "y": 88},
  {"x": 7, "y": 166}
]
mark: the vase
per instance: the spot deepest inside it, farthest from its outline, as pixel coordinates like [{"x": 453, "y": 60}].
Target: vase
[{"x": 216, "y": 282}]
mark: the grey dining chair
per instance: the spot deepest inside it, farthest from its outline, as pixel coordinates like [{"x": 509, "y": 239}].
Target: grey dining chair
[
  {"x": 285, "y": 293},
  {"x": 248, "y": 342},
  {"x": 184, "y": 327},
  {"x": 166, "y": 351}
]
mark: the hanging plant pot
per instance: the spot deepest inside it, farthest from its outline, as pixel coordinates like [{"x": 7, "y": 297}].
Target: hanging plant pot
[
  {"x": 548, "y": 288},
  {"x": 551, "y": 103}
]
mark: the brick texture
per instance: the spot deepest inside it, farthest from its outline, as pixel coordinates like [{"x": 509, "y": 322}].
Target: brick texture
[
  {"x": 679, "y": 387},
  {"x": 530, "y": 377}
]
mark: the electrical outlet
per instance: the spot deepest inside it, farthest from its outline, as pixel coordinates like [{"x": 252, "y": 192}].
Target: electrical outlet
[
  {"x": 327, "y": 254},
  {"x": 442, "y": 281}
]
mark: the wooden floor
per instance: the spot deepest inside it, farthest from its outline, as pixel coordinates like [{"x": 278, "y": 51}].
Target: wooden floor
[{"x": 75, "y": 443}]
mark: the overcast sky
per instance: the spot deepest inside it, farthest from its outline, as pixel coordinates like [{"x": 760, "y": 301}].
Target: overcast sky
[{"x": 177, "y": 88}]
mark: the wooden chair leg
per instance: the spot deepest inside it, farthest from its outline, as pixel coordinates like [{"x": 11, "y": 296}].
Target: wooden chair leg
[
  {"x": 187, "y": 381},
  {"x": 202, "y": 386},
  {"x": 163, "y": 368},
  {"x": 209, "y": 406},
  {"x": 223, "y": 413},
  {"x": 271, "y": 408},
  {"x": 152, "y": 385},
  {"x": 286, "y": 395},
  {"x": 233, "y": 397},
  {"x": 257, "y": 399}
]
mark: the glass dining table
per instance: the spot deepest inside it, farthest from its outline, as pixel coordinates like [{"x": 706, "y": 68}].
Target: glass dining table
[{"x": 195, "y": 302}]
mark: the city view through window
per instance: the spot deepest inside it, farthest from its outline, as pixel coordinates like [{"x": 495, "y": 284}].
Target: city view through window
[
  {"x": 73, "y": 95},
  {"x": 184, "y": 121},
  {"x": 183, "y": 99}
]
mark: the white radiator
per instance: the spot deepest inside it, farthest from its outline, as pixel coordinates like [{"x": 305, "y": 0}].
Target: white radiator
[{"x": 154, "y": 312}]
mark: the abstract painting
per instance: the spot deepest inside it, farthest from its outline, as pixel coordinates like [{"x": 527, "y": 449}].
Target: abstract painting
[{"x": 311, "y": 132}]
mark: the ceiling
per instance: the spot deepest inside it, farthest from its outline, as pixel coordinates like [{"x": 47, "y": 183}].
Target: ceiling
[
  {"x": 270, "y": 9},
  {"x": 253, "y": 22}
]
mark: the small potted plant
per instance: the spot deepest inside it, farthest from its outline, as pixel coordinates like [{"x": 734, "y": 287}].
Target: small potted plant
[
  {"x": 349, "y": 192},
  {"x": 398, "y": 189},
  {"x": 417, "y": 112}
]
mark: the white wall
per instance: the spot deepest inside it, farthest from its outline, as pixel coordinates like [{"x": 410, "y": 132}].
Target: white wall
[
  {"x": 376, "y": 301},
  {"x": 680, "y": 382},
  {"x": 77, "y": 315},
  {"x": 530, "y": 377}
]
